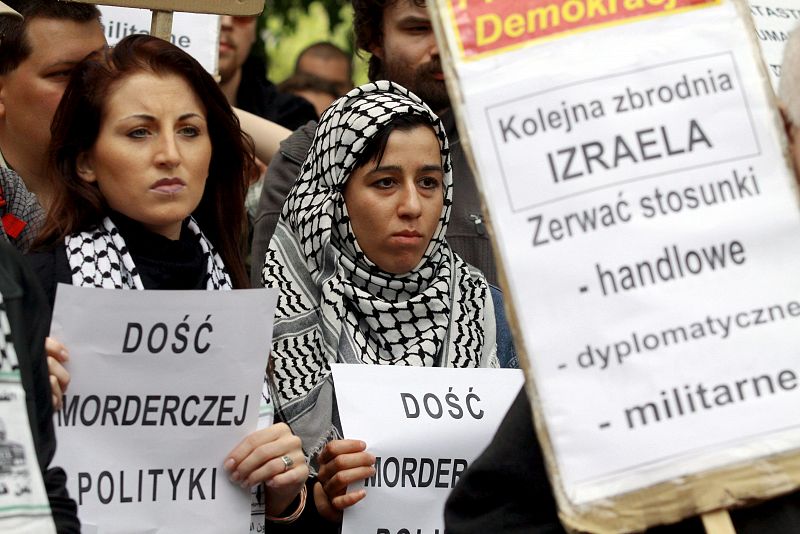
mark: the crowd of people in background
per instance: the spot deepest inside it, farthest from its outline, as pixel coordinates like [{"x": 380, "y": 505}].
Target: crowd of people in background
[{"x": 131, "y": 167}]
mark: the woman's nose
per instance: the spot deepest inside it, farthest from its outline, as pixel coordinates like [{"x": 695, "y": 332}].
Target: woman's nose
[
  {"x": 168, "y": 154},
  {"x": 410, "y": 203}
]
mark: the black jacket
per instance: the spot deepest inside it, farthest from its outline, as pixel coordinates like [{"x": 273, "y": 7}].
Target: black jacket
[
  {"x": 507, "y": 490},
  {"x": 162, "y": 263},
  {"x": 259, "y": 96},
  {"x": 27, "y": 313}
]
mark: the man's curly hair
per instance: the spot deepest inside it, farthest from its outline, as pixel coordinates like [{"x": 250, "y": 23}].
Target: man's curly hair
[{"x": 368, "y": 29}]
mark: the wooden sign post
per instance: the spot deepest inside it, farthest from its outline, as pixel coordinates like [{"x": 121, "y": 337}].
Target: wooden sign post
[
  {"x": 213, "y": 7},
  {"x": 718, "y": 522},
  {"x": 161, "y": 25},
  {"x": 647, "y": 227}
]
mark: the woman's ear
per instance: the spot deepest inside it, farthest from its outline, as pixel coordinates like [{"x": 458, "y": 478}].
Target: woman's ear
[
  {"x": 2, "y": 97},
  {"x": 84, "y": 167}
]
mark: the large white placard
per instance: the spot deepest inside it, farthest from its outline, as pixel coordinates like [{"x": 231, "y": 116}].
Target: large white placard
[
  {"x": 164, "y": 385},
  {"x": 648, "y": 224},
  {"x": 196, "y": 34},
  {"x": 774, "y": 19},
  {"x": 425, "y": 426}
]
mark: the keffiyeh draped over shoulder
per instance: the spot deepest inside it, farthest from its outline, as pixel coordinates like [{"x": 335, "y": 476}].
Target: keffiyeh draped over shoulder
[
  {"x": 335, "y": 305},
  {"x": 99, "y": 257}
]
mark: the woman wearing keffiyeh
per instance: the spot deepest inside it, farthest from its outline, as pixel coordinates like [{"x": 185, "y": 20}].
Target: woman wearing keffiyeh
[
  {"x": 364, "y": 271},
  {"x": 151, "y": 171}
]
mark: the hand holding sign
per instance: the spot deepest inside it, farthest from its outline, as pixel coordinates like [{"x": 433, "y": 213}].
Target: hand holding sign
[
  {"x": 259, "y": 458},
  {"x": 423, "y": 425},
  {"x": 57, "y": 355},
  {"x": 159, "y": 399},
  {"x": 342, "y": 462}
]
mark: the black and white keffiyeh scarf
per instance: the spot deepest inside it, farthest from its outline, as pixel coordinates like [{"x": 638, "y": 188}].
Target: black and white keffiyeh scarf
[
  {"x": 335, "y": 305},
  {"x": 21, "y": 215},
  {"x": 99, "y": 258},
  {"x": 8, "y": 356}
]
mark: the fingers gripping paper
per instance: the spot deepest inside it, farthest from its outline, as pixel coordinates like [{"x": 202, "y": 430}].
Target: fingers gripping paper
[{"x": 164, "y": 384}]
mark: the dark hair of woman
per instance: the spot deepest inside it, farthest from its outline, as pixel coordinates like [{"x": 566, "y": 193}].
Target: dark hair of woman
[
  {"x": 377, "y": 145},
  {"x": 78, "y": 205}
]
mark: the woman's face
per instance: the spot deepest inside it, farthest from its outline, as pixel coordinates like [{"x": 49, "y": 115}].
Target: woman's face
[
  {"x": 395, "y": 204},
  {"x": 151, "y": 157}
]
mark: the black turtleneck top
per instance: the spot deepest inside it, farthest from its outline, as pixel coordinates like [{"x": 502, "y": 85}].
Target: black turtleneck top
[{"x": 162, "y": 263}]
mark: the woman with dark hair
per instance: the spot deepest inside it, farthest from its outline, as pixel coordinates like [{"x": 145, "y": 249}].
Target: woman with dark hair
[
  {"x": 150, "y": 173},
  {"x": 365, "y": 273},
  {"x": 81, "y": 198}
]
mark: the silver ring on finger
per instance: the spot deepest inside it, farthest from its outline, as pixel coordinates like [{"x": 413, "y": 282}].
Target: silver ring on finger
[{"x": 287, "y": 463}]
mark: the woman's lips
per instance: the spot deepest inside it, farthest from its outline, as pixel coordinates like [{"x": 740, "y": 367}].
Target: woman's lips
[
  {"x": 168, "y": 186},
  {"x": 409, "y": 233},
  {"x": 407, "y": 237}
]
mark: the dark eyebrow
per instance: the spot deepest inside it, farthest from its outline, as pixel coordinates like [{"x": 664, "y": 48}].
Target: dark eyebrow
[
  {"x": 191, "y": 115},
  {"x": 61, "y": 64},
  {"x": 146, "y": 117},
  {"x": 384, "y": 168},
  {"x": 429, "y": 168},
  {"x": 414, "y": 19},
  {"x": 72, "y": 62},
  {"x": 142, "y": 116},
  {"x": 397, "y": 168}
]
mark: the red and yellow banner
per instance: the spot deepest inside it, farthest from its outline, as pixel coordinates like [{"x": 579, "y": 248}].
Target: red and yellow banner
[{"x": 490, "y": 25}]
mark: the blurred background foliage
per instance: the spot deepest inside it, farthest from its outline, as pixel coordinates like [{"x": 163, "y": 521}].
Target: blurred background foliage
[{"x": 288, "y": 26}]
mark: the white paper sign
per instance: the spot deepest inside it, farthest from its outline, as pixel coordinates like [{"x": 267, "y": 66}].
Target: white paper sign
[
  {"x": 425, "y": 426},
  {"x": 164, "y": 385},
  {"x": 774, "y": 19},
  {"x": 650, "y": 232},
  {"x": 195, "y": 34}
]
